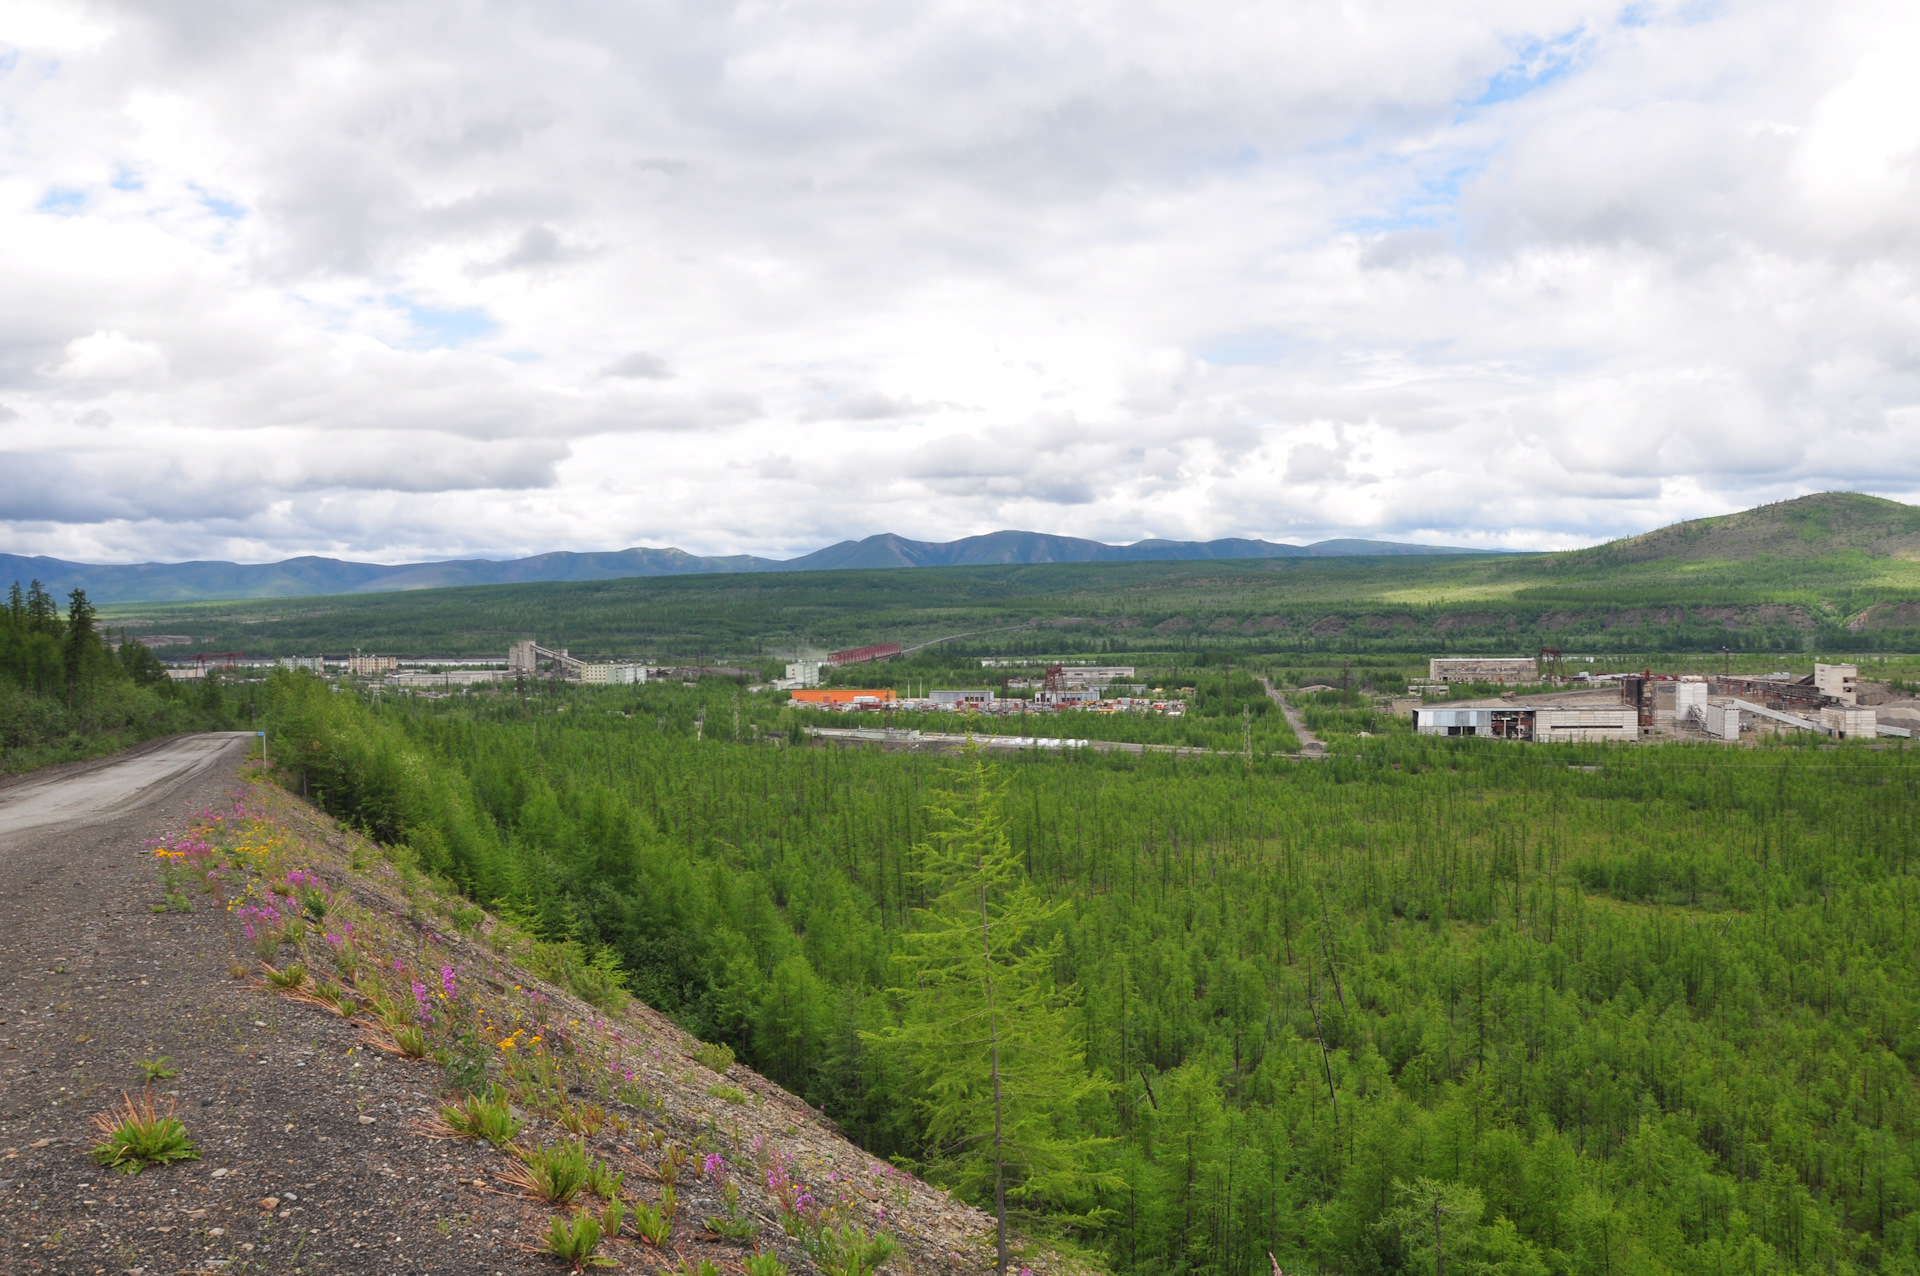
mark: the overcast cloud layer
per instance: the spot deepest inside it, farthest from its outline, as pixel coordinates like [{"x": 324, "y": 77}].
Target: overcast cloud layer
[{"x": 397, "y": 280}]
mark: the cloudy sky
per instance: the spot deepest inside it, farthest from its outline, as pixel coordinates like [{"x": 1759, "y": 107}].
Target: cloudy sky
[{"x": 393, "y": 280}]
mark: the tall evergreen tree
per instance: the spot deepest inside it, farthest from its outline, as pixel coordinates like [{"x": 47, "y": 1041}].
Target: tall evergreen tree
[
  {"x": 81, "y": 642},
  {"x": 984, "y": 1030},
  {"x": 43, "y": 616}
]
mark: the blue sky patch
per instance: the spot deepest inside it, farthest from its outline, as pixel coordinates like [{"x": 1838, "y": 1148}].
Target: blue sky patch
[
  {"x": 60, "y": 199},
  {"x": 445, "y": 329},
  {"x": 1536, "y": 64}
]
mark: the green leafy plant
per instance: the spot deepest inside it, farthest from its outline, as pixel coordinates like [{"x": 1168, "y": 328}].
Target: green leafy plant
[
  {"x": 136, "y": 1135},
  {"x": 574, "y": 1240},
  {"x": 584, "y": 1118},
  {"x": 650, "y": 1223},
  {"x": 730, "y": 1224},
  {"x": 412, "y": 1041},
  {"x": 727, "y": 1094},
  {"x": 765, "y": 1263},
  {"x": 852, "y": 1251},
  {"x": 489, "y": 1117},
  {"x": 291, "y": 976},
  {"x": 705, "y": 1267},
  {"x": 159, "y": 1069},
  {"x": 554, "y": 1174},
  {"x": 672, "y": 1158},
  {"x": 603, "y": 1182},
  {"x": 715, "y": 1056}
]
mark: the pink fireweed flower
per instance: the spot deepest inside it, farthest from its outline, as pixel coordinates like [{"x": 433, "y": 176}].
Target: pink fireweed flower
[
  {"x": 420, "y": 1000},
  {"x": 716, "y": 1168},
  {"x": 448, "y": 989}
]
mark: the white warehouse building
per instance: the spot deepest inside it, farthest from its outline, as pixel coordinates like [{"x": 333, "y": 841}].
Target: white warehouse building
[{"x": 1544, "y": 724}]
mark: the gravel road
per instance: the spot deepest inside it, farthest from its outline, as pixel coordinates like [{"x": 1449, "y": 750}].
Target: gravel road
[{"x": 306, "y": 1163}]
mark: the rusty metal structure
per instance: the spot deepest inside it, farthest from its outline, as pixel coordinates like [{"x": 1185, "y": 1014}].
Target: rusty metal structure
[{"x": 861, "y": 655}]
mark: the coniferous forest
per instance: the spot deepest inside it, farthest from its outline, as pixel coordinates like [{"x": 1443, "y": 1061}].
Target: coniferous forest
[
  {"x": 67, "y": 690},
  {"x": 1594, "y": 1010}
]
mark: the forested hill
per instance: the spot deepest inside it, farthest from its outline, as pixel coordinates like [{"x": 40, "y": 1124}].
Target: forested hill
[
  {"x": 1814, "y": 526},
  {"x": 313, "y": 576}
]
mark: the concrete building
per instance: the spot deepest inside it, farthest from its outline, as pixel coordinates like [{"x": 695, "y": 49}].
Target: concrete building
[
  {"x": 372, "y": 666},
  {"x": 1482, "y": 669},
  {"x": 1848, "y": 722},
  {"x": 1544, "y": 724},
  {"x": 964, "y": 698},
  {"x": 802, "y": 673},
  {"x": 312, "y": 664},
  {"x": 1690, "y": 701},
  {"x": 1838, "y": 681},
  {"x": 611, "y": 675},
  {"x": 1094, "y": 675},
  {"x": 1722, "y": 719},
  {"x": 522, "y": 659},
  {"x": 1068, "y": 697}
]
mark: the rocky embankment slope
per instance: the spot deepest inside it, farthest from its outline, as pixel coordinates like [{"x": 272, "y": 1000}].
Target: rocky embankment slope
[{"x": 319, "y": 1101}]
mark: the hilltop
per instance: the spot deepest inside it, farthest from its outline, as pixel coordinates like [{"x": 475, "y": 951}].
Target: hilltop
[{"x": 1805, "y": 527}]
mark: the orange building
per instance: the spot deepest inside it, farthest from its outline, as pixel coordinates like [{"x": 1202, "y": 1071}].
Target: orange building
[{"x": 840, "y": 695}]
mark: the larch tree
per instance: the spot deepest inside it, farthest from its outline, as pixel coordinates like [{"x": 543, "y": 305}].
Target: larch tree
[{"x": 982, "y": 1027}]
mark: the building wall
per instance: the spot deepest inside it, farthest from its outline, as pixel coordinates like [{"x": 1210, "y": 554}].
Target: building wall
[
  {"x": 1476, "y": 669},
  {"x": 1850, "y": 723},
  {"x": 968, "y": 695},
  {"x": 1723, "y": 720},
  {"x": 1839, "y": 681},
  {"x": 840, "y": 695},
  {"x": 613, "y": 675},
  {"x": 1565, "y": 726}
]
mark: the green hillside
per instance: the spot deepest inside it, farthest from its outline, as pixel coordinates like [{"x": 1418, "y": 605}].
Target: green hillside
[
  {"x": 1825, "y": 572},
  {"x": 1807, "y": 527}
]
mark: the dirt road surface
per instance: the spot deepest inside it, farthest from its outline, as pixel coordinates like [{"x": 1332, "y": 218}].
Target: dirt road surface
[
  {"x": 92, "y": 980},
  {"x": 1310, "y": 744},
  {"x": 100, "y": 790}
]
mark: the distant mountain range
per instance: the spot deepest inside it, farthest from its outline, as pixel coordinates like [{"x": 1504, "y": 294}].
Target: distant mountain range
[{"x": 310, "y": 576}]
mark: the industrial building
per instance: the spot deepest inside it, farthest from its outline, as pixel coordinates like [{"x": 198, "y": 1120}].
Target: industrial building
[
  {"x": 1544, "y": 724},
  {"x": 611, "y": 675},
  {"x": 312, "y": 664},
  {"x": 1720, "y": 707},
  {"x": 1841, "y": 682},
  {"x": 372, "y": 666},
  {"x": 963, "y": 698},
  {"x": 1500, "y": 669},
  {"x": 845, "y": 697}
]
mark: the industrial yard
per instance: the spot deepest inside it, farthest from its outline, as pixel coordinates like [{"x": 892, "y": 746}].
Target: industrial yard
[{"x": 1646, "y": 706}]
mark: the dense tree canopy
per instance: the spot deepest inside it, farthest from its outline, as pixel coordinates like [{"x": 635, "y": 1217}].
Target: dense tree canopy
[
  {"x": 67, "y": 689},
  {"x": 1659, "y": 1012}
]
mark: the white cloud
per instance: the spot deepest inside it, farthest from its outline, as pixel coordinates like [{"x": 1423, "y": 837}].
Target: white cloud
[
  {"x": 742, "y": 277},
  {"x": 110, "y": 356}
]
